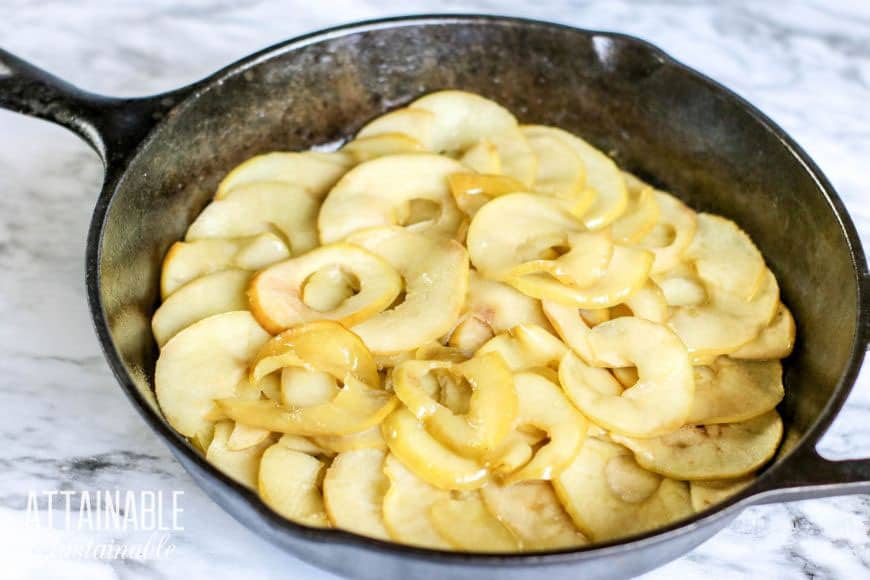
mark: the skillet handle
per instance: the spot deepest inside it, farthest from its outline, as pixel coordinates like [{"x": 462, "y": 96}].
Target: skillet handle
[{"x": 113, "y": 127}]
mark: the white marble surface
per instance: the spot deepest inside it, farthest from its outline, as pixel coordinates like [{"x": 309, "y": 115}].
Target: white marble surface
[{"x": 65, "y": 424}]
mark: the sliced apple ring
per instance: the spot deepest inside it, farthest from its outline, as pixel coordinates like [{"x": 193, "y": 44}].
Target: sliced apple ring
[
  {"x": 725, "y": 257},
  {"x": 187, "y": 261},
  {"x": 312, "y": 171},
  {"x": 414, "y": 123},
  {"x": 561, "y": 171},
  {"x": 533, "y": 513},
  {"x": 570, "y": 326},
  {"x": 371, "y": 438},
  {"x": 658, "y": 403},
  {"x": 435, "y": 272},
  {"x": 204, "y": 362},
  {"x": 472, "y": 190},
  {"x": 353, "y": 492},
  {"x": 259, "y": 207},
  {"x": 469, "y": 334},
  {"x": 406, "y": 507},
  {"x": 428, "y": 458},
  {"x": 289, "y": 484},
  {"x": 543, "y": 405},
  {"x": 482, "y": 157},
  {"x": 525, "y": 347},
  {"x": 680, "y": 286},
  {"x": 641, "y": 212},
  {"x": 609, "y": 496},
  {"x": 365, "y": 149},
  {"x": 730, "y": 391},
  {"x": 492, "y": 407},
  {"x": 468, "y": 525},
  {"x": 710, "y": 451},
  {"x": 242, "y": 465},
  {"x": 709, "y": 493},
  {"x": 382, "y": 192},
  {"x": 670, "y": 237},
  {"x": 277, "y": 293},
  {"x": 501, "y": 306},
  {"x": 775, "y": 341},
  {"x": 648, "y": 303},
  {"x": 244, "y": 436}
]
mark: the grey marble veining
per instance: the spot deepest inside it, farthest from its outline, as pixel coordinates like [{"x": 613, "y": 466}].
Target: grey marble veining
[{"x": 66, "y": 426}]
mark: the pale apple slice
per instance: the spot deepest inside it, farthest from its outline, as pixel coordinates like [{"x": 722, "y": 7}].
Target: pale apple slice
[
  {"x": 710, "y": 451},
  {"x": 428, "y": 458},
  {"x": 242, "y": 465},
  {"x": 680, "y": 286},
  {"x": 314, "y": 172},
  {"x": 660, "y": 400},
  {"x": 730, "y": 391},
  {"x": 414, "y": 123},
  {"x": 277, "y": 294},
  {"x": 648, "y": 303},
  {"x": 725, "y": 257},
  {"x": 526, "y": 347},
  {"x": 602, "y": 176},
  {"x": 353, "y": 492},
  {"x": 204, "y": 362},
  {"x": 259, "y": 207},
  {"x": 364, "y": 149},
  {"x": 776, "y": 340},
  {"x": 706, "y": 494},
  {"x": 187, "y": 261},
  {"x": 470, "y": 334},
  {"x": 482, "y": 157},
  {"x": 472, "y": 190},
  {"x": 501, "y": 306},
  {"x": 305, "y": 387},
  {"x": 468, "y": 525},
  {"x": 583, "y": 264},
  {"x": 561, "y": 171},
  {"x": 382, "y": 192},
  {"x": 641, "y": 212},
  {"x": 670, "y": 237},
  {"x": 371, "y": 438},
  {"x": 303, "y": 445},
  {"x": 244, "y": 436},
  {"x": 206, "y": 296},
  {"x": 570, "y": 326},
  {"x": 435, "y": 271},
  {"x": 533, "y": 513},
  {"x": 406, "y": 507},
  {"x": 289, "y": 484},
  {"x": 609, "y": 496}
]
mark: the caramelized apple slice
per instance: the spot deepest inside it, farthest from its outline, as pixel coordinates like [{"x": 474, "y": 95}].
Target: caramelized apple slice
[
  {"x": 406, "y": 507},
  {"x": 364, "y": 149},
  {"x": 561, "y": 171},
  {"x": 312, "y": 171},
  {"x": 305, "y": 387},
  {"x": 641, "y": 212},
  {"x": 289, "y": 485},
  {"x": 670, "y": 237},
  {"x": 709, "y": 493},
  {"x": 353, "y": 492},
  {"x": 482, "y": 157},
  {"x": 725, "y": 257},
  {"x": 371, "y": 438},
  {"x": 303, "y": 445},
  {"x": 731, "y": 390},
  {"x": 467, "y": 525},
  {"x": 525, "y": 347},
  {"x": 242, "y": 465},
  {"x": 472, "y": 190},
  {"x": 776, "y": 340}
]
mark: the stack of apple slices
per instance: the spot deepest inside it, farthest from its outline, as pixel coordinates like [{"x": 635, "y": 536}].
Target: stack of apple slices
[{"x": 458, "y": 332}]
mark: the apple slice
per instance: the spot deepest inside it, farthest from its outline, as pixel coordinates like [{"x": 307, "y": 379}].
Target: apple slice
[
  {"x": 570, "y": 326},
  {"x": 371, "y": 438},
  {"x": 533, "y": 513},
  {"x": 365, "y": 149},
  {"x": 731, "y": 390},
  {"x": 501, "y": 306},
  {"x": 289, "y": 484},
  {"x": 641, "y": 212},
  {"x": 648, "y": 303},
  {"x": 776, "y": 340},
  {"x": 467, "y": 525},
  {"x": 258, "y": 207},
  {"x": 525, "y": 347},
  {"x": 435, "y": 271},
  {"x": 204, "y": 362},
  {"x": 277, "y": 294},
  {"x": 381, "y": 192},
  {"x": 628, "y": 377},
  {"x": 187, "y": 261},
  {"x": 303, "y": 445},
  {"x": 680, "y": 286},
  {"x": 725, "y": 257},
  {"x": 312, "y": 171},
  {"x": 482, "y": 157},
  {"x": 609, "y": 496},
  {"x": 561, "y": 171},
  {"x": 242, "y": 465},
  {"x": 670, "y": 237},
  {"x": 710, "y": 451},
  {"x": 406, "y": 507},
  {"x": 305, "y": 387},
  {"x": 709, "y": 493},
  {"x": 414, "y": 123},
  {"x": 469, "y": 335},
  {"x": 244, "y": 436},
  {"x": 203, "y": 297},
  {"x": 472, "y": 190},
  {"x": 660, "y": 400},
  {"x": 353, "y": 492}
]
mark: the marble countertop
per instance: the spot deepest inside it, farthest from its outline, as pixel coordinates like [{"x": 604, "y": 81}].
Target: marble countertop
[{"x": 65, "y": 424}]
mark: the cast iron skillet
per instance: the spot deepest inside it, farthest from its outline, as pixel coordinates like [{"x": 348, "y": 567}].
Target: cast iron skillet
[{"x": 165, "y": 154}]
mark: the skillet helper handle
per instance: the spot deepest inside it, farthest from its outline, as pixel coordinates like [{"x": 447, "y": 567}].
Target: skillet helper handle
[{"x": 113, "y": 127}]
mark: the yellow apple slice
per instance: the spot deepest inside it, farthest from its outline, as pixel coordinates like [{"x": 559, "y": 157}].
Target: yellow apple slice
[
  {"x": 660, "y": 400},
  {"x": 609, "y": 496},
  {"x": 382, "y": 192},
  {"x": 353, "y": 492},
  {"x": 627, "y": 376},
  {"x": 187, "y": 261},
  {"x": 414, "y": 123},
  {"x": 709, "y": 493},
  {"x": 289, "y": 484},
  {"x": 501, "y": 306},
  {"x": 314, "y": 172},
  {"x": 406, "y": 507},
  {"x": 570, "y": 326},
  {"x": 258, "y": 207},
  {"x": 206, "y": 296},
  {"x": 602, "y": 176},
  {"x": 204, "y": 362},
  {"x": 710, "y": 451},
  {"x": 776, "y": 340},
  {"x": 468, "y": 525},
  {"x": 435, "y": 272},
  {"x": 680, "y": 286},
  {"x": 525, "y": 347},
  {"x": 543, "y": 405},
  {"x": 482, "y": 157},
  {"x": 244, "y": 436},
  {"x": 731, "y": 390},
  {"x": 469, "y": 335},
  {"x": 533, "y": 513},
  {"x": 670, "y": 237},
  {"x": 428, "y": 458},
  {"x": 303, "y": 445},
  {"x": 641, "y": 212},
  {"x": 305, "y": 387},
  {"x": 648, "y": 303},
  {"x": 365, "y": 149},
  {"x": 491, "y": 408},
  {"x": 561, "y": 171},
  {"x": 242, "y": 465},
  {"x": 277, "y": 293},
  {"x": 472, "y": 190},
  {"x": 725, "y": 257},
  {"x": 371, "y": 438}
]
